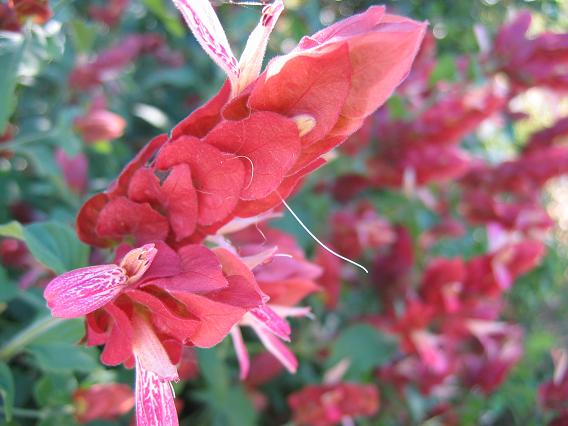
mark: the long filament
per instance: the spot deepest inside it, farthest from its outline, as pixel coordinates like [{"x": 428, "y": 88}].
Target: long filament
[{"x": 317, "y": 240}]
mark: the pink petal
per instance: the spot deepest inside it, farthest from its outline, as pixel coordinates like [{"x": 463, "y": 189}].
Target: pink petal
[
  {"x": 154, "y": 399},
  {"x": 268, "y": 319},
  {"x": 241, "y": 350},
  {"x": 277, "y": 348},
  {"x": 136, "y": 262},
  {"x": 150, "y": 352},
  {"x": 200, "y": 272},
  {"x": 251, "y": 59},
  {"x": 81, "y": 291},
  {"x": 205, "y": 26}
]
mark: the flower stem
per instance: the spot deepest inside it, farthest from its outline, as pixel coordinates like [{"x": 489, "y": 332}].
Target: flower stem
[
  {"x": 26, "y": 413},
  {"x": 13, "y": 346}
]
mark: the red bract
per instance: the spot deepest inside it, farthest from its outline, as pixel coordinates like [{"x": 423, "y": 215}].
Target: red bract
[
  {"x": 354, "y": 231},
  {"x": 286, "y": 278},
  {"x": 8, "y": 18},
  {"x": 99, "y": 124},
  {"x": 228, "y": 163},
  {"x": 327, "y": 405},
  {"x": 110, "y": 62},
  {"x": 423, "y": 150},
  {"x": 555, "y": 135},
  {"x": 102, "y": 402},
  {"x": 109, "y": 14},
  {"x": 75, "y": 170},
  {"x": 36, "y": 9},
  {"x": 246, "y": 151},
  {"x": 539, "y": 61}
]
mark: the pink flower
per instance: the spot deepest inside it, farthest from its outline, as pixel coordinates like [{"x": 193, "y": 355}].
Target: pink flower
[
  {"x": 102, "y": 402},
  {"x": 99, "y": 124},
  {"x": 327, "y": 405}
]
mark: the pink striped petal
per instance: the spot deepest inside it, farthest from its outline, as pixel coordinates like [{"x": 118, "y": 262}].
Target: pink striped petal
[
  {"x": 154, "y": 399},
  {"x": 136, "y": 262},
  {"x": 277, "y": 348},
  {"x": 205, "y": 26},
  {"x": 150, "y": 352},
  {"x": 268, "y": 319},
  {"x": 251, "y": 59},
  {"x": 241, "y": 350},
  {"x": 81, "y": 291}
]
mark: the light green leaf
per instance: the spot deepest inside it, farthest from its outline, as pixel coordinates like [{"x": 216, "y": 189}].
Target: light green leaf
[
  {"x": 364, "y": 347},
  {"x": 169, "y": 20},
  {"x": 56, "y": 246},
  {"x": 12, "y": 229}
]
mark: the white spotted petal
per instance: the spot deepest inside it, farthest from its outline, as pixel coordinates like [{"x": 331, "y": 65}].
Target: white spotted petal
[{"x": 81, "y": 291}]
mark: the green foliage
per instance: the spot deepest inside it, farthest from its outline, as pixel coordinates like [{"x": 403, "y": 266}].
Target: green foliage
[
  {"x": 363, "y": 347},
  {"x": 7, "y": 390},
  {"x": 56, "y": 246}
]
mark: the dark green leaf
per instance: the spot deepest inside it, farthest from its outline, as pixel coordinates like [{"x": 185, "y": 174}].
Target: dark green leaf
[
  {"x": 7, "y": 390},
  {"x": 8, "y": 289},
  {"x": 11, "y": 49},
  {"x": 54, "y": 389}
]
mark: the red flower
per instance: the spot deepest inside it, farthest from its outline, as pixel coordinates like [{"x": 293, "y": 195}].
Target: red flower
[
  {"x": 111, "y": 13},
  {"x": 8, "y": 18},
  {"x": 327, "y": 405},
  {"x": 102, "y": 402},
  {"x": 528, "y": 62},
  {"x": 144, "y": 309},
  {"x": 99, "y": 124},
  {"x": 36, "y": 9},
  {"x": 110, "y": 62},
  {"x": 74, "y": 169},
  {"x": 353, "y": 232},
  {"x": 246, "y": 151}
]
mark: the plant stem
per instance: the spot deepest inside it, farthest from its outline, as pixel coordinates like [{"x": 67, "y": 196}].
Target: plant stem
[
  {"x": 25, "y": 413},
  {"x": 27, "y": 335}
]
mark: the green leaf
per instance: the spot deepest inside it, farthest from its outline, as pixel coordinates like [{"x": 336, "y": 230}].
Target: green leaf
[
  {"x": 11, "y": 49},
  {"x": 63, "y": 357},
  {"x": 12, "y": 229},
  {"x": 8, "y": 290},
  {"x": 83, "y": 35},
  {"x": 69, "y": 331},
  {"x": 445, "y": 70},
  {"x": 213, "y": 369},
  {"x": 364, "y": 347},
  {"x": 7, "y": 390},
  {"x": 169, "y": 20},
  {"x": 54, "y": 389},
  {"x": 56, "y": 246}
]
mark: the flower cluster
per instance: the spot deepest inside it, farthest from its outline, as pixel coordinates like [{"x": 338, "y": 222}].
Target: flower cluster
[{"x": 186, "y": 273}]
